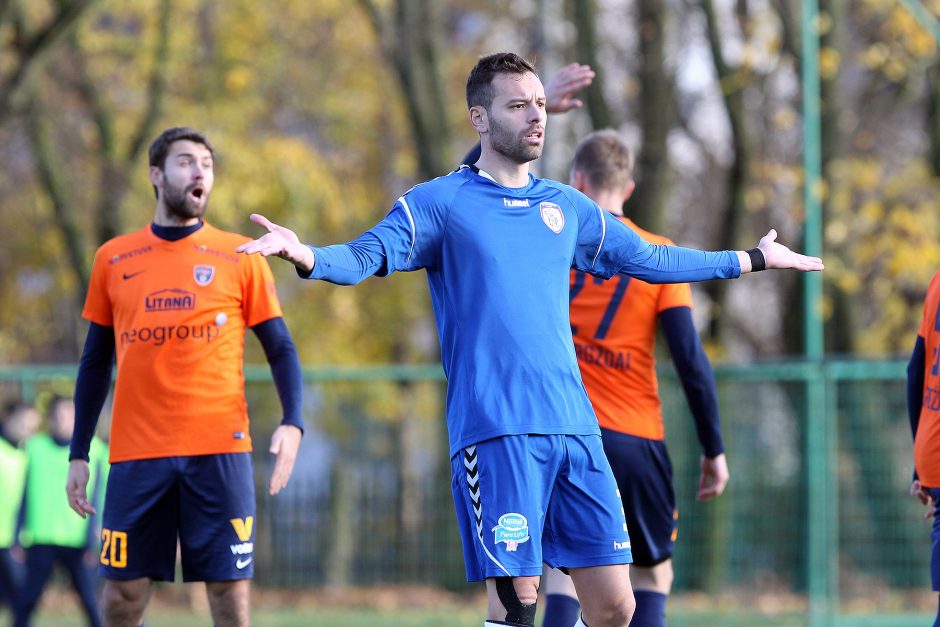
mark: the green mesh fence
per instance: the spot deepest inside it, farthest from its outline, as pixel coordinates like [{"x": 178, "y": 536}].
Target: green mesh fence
[{"x": 370, "y": 502}]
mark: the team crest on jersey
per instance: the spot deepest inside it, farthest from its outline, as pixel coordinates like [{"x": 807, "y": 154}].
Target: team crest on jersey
[
  {"x": 552, "y": 216},
  {"x": 513, "y": 529},
  {"x": 203, "y": 274}
]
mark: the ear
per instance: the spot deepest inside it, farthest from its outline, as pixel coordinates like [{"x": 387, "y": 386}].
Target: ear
[
  {"x": 156, "y": 176},
  {"x": 629, "y": 191},
  {"x": 479, "y": 119},
  {"x": 578, "y": 180}
]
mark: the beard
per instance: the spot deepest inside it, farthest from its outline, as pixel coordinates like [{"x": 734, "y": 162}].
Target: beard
[
  {"x": 510, "y": 146},
  {"x": 181, "y": 205}
]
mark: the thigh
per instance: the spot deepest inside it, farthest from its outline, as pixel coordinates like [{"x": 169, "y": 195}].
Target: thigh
[
  {"x": 217, "y": 501},
  {"x": 644, "y": 477},
  {"x": 139, "y": 522},
  {"x": 501, "y": 489},
  {"x": 584, "y": 524}
]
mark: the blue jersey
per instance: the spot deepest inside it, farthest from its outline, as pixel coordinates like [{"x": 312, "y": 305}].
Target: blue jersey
[{"x": 498, "y": 262}]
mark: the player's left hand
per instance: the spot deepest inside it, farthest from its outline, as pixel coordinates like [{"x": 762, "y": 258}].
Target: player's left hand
[
  {"x": 562, "y": 86},
  {"x": 714, "y": 477},
  {"x": 76, "y": 488},
  {"x": 285, "y": 442},
  {"x": 779, "y": 256},
  {"x": 920, "y": 492}
]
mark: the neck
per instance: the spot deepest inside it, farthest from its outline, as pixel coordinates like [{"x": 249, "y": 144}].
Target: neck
[
  {"x": 611, "y": 202},
  {"x": 163, "y": 217},
  {"x": 504, "y": 171}
]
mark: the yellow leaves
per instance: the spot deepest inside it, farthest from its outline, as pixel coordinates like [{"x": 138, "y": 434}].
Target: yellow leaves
[
  {"x": 829, "y": 62},
  {"x": 237, "y": 79},
  {"x": 881, "y": 247}
]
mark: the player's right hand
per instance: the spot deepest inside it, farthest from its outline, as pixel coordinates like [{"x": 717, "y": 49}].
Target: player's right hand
[
  {"x": 279, "y": 241},
  {"x": 76, "y": 488},
  {"x": 561, "y": 87}
]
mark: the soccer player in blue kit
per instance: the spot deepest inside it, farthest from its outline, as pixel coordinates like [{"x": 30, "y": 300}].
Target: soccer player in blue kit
[{"x": 530, "y": 479}]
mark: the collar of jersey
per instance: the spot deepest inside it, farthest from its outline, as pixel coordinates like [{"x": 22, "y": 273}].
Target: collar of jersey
[
  {"x": 484, "y": 174},
  {"x": 173, "y": 233}
]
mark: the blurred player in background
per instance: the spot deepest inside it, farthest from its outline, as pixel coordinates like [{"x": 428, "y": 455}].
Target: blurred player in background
[
  {"x": 923, "y": 407},
  {"x": 531, "y": 482},
  {"x": 174, "y": 302},
  {"x": 18, "y": 422},
  {"x": 614, "y": 327},
  {"x": 50, "y": 534}
]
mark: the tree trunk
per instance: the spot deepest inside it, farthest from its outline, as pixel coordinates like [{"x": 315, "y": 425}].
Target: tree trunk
[
  {"x": 656, "y": 113},
  {"x": 584, "y": 17}
]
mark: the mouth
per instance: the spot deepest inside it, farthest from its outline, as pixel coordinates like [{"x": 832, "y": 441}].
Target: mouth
[
  {"x": 535, "y": 135},
  {"x": 197, "y": 192}
]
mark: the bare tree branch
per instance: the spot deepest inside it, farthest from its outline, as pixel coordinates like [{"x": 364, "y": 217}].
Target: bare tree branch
[{"x": 31, "y": 50}]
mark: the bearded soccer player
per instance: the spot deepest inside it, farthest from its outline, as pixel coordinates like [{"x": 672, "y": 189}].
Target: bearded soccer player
[
  {"x": 173, "y": 302},
  {"x": 923, "y": 406},
  {"x": 614, "y": 327},
  {"x": 531, "y": 482}
]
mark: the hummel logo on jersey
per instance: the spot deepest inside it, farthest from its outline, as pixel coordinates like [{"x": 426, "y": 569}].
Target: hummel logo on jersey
[
  {"x": 241, "y": 563},
  {"x": 131, "y": 275},
  {"x": 516, "y": 202}
]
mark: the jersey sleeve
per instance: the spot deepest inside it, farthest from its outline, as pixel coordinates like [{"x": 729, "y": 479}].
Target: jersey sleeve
[
  {"x": 672, "y": 295},
  {"x": 259, "y": 293},
  {"x": 929, "y": 319},
  {"x": 411, "y": 232},
  {"x": 97, "y": 302},
  {"x": 606, "y": 246}
]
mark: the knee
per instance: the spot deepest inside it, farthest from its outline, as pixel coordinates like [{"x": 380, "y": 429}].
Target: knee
[{"x": 616, "y": 613}]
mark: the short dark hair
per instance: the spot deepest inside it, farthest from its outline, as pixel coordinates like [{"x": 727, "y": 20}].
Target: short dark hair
[
  {"x": 605, "y": 159},
  {"x": 161, "y": 145},
  {"x": 480, "y": 82},
  {"x": 12, "y": 407}
]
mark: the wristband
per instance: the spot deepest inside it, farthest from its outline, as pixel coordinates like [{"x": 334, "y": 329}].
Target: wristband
[{"x": 758, "y": 262}]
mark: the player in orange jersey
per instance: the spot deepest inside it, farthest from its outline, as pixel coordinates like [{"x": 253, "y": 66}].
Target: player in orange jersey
[
  {"x": 614, "y": 328},
  {"x": 923, "y": 406},
  {"x": 172, "y": 302}
]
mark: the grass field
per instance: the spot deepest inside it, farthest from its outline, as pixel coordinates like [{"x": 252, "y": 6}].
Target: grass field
[{"x": 176, "y": 606}]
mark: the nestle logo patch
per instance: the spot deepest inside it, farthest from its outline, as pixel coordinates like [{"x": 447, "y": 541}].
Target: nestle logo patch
[
  {"x": 170, "y": 300},
  {"x": 552, "y": 216}
]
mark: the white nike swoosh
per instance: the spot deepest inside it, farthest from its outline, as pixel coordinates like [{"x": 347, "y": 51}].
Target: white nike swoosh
[{"x": 239, "y": 564}]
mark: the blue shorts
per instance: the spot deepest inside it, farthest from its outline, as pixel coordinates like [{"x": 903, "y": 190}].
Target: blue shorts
[
  {"x": 935, "y": 544},
  {"x": 644, "y": 476},
  {"x": 526, "y": 499},
  {"x": 207, "y": 502}
]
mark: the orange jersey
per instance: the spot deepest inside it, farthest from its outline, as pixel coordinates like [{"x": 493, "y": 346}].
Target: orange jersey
[
  {"x": 179, "y": 311},
  {"x": 927, "y": 441},
  {"x": 614, "y": 327}
]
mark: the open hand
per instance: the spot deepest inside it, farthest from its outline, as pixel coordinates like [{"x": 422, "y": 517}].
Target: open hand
[
  {"x": 279, "y": 241},
  {"x": 561, "y": 87},
  {"x": 779, "y": 256}
]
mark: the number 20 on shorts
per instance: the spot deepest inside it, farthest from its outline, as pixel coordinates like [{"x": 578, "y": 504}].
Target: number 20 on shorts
[{"x": 114, "y": 548}]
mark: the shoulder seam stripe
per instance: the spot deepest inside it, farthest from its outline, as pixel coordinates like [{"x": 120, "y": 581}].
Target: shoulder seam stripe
[
  {"x": 603, "y": 236},
  {"x": 411, "y": 221}
]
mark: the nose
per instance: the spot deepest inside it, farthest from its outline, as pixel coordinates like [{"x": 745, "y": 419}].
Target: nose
[{"x": 536, "y": 113}]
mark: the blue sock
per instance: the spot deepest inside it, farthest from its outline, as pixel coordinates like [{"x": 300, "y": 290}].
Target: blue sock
[
  {"x": 650, "y": 609},
  {"x": 560, "y": 611}
]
